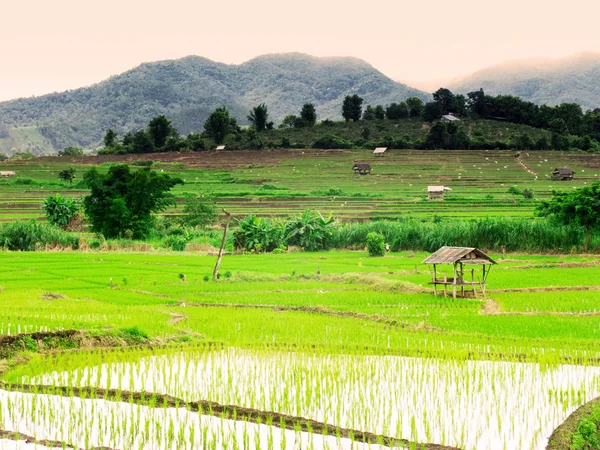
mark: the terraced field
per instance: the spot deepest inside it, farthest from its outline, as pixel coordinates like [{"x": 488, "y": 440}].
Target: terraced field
[
  {"x": 279, "y": 183},
  {"x": 138, "y": 351}
]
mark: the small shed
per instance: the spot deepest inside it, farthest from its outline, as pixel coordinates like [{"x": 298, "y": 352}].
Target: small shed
[
  {"x": 450, "y": 118},
  {"x": 221, "y": 147},
  {"x": 562, "y": 174},
  {"x": 459, "y": 257},
  {"x": 436, "y": 192},
  {"x": 362, "y": 169},
  {"x": 379, "y": 151},
  {"x": 7, "y": 174}
]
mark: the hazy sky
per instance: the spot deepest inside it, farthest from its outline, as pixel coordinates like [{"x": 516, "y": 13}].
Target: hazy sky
[{"x": 53, "y": 45}]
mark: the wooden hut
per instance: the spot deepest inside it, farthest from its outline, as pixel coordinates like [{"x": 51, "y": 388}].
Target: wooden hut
[
  {"x": 562, "y": 174},
  {"x": 379, "y": 151},
  {"x": 450, "y": 118},
  {"x": 7, "y": 174},
  {"x": 362, "y": 169},
  {"x": 221, "y": 147},
  {"x": 436, "y": 192},
  {"x": 459, "y": 257}
]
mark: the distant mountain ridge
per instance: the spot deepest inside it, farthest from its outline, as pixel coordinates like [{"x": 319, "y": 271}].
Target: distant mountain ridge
[
  {"x": 187, "y": 90},
  {"x": 574, "y": 79}
]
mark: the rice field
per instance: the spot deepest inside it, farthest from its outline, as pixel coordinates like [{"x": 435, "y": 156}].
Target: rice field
[
  {"x": 330, "y": 350},
  {"x": 279, "y": 183}
]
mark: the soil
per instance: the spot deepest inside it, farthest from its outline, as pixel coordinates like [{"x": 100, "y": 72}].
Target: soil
[{"x": 228, "y": 159}]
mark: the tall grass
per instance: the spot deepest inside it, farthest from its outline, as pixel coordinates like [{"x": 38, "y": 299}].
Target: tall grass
[
  {"x": 32, "y": 235},
  {"x": 488, "y": 234}
]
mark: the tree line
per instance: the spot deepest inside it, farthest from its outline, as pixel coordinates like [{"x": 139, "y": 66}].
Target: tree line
[{"x": 567, "y": 125}]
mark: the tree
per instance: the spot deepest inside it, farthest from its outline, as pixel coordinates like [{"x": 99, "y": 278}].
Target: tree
[
  {"x": 60, "y": 210},
  {"x": 415, "y": 106},
  {"x": 369, "y": 113},
  {"x": 397, "y": 111},
  {"x": 71, "y": 151},
  {"x": 198, "y": 211},
  {"x": 379, "y": 112},
  {"x": 142, "y": 142},
  {"x": 308, "y": 115},
  {"x": 219, "y": 124},
  {"x": 352, "y": 108},
  {"x": 445, "y": 100},
  {"x": 259, "y": 116},
  {"x": 122, "y": 201},
  {"x": 477, "y": 103},
  {"x": 290, "y": 121},
  {"x": 110, "y": 138},
  {"x": 67, "y": 175},
  {"x": 159, "y": 130},
  {"x": 432, "y": 111},
  {"x": 579, "y": 207}
]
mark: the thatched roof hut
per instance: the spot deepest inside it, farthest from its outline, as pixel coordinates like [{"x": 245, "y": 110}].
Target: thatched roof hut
[
  {"x": 460, "y": 257},
  {"x": 562, "y": 174}
]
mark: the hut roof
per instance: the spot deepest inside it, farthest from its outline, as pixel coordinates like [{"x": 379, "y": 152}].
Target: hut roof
[
  {"x": 464, "y": 255},
  {"x": 361, "y": 167},
  {"x": 7, "y": 173},
  {"x": 563, "y": 171},
  {"x": 450, "y": 117},
  {"x": 438, "y": 188},
  {"x": 380, "y": 150}
]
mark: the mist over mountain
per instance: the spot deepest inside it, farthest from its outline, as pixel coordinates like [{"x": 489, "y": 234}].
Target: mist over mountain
[
  {"x": 186, "y": 90},
  {"x": 574, "y": 79}
]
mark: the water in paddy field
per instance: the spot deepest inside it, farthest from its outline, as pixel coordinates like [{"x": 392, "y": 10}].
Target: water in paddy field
[{"x": 468, "y": 404}]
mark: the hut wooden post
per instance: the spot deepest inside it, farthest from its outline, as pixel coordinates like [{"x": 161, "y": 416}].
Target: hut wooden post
[
  {"x": 454, "y": 283},
  {"x": 473, "y": 282},
  {"x": 434, "y": 281},
  {"x": 483, "y": 282}
]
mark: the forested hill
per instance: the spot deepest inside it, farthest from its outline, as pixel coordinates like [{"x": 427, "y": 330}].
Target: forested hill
[
  {"x": 575, "y": 79},
  {"x": 187, "y": 90}
]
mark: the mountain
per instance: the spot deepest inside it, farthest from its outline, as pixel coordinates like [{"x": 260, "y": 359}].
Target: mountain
[
  {"x": 187, "y": 90},
  {"x": 574, "y": 79}
]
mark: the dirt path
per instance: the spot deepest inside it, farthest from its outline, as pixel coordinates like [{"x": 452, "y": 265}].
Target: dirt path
[
  {"x": 16, "y": 436},
  {"x": 230, "y": 412},
  {"x": 524, "y": 166},
  {"x": 386, "y": 320},
  {"x": 492, "y": 308},
  {"x": 561, "y": 437},
  {"x": 548, "y": 289}
]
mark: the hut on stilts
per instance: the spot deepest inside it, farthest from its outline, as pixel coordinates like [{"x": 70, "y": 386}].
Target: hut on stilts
[{"x": 459, "y": 257}]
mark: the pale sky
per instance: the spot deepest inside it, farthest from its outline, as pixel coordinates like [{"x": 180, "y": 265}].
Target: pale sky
[{"x": 54, "y": 45}]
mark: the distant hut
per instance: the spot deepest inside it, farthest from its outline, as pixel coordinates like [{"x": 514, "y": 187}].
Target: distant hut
[
  {"x": 362, "y": 169},
  {"x": 450, "y": 118},
  {"x": 221, "y": 147},
  {"x": 562, "y": 174},
  {"x": 460, "y": 257},
  {"x": 7, "y": 174},
  {"x": 379, "y": 151},
  {"x": 437, "y": 192}
]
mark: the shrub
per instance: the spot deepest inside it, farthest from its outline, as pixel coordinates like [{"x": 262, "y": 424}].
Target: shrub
[
  {"x": 31, "y": 235},
  {"x": 176, "y": 243},
  {"x": 142, "y": 163},
  {"x": 332, "y": 141},
  {"x": 227, "y": 274},
  {"x": 310, "y": 230},
  {"x": 527, "y": 193},
  {"x": 60, "y": 210},
  {"x": 95, "y": 243},
  {"x": 376, "y": 244},
  {"x": 514, "y": 190}
]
